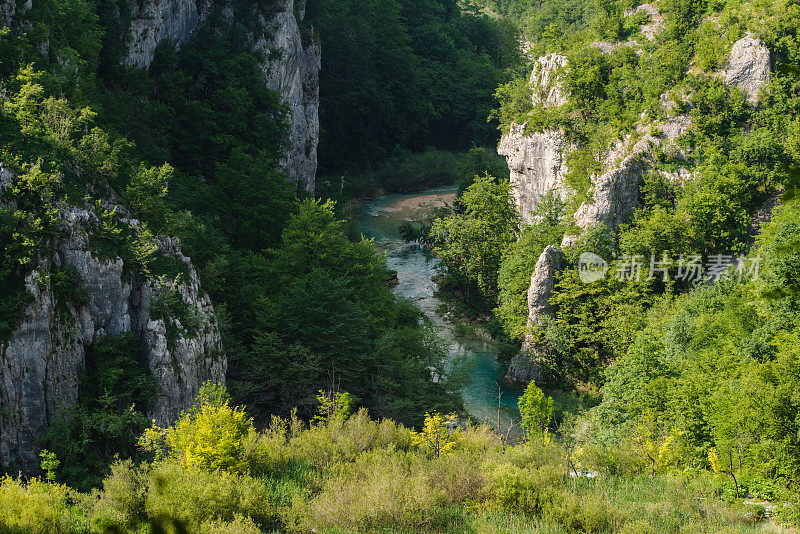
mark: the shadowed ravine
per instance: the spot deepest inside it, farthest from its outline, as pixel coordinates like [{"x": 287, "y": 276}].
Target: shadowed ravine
[{"x": 380, "y": 219}]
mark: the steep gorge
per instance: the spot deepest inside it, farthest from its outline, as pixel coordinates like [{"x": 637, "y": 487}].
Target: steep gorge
[{"x": 42, "y": 360}]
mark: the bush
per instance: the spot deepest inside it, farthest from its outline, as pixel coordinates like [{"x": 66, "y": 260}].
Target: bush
[
  {"x": 529, "y": 491},
  {"x": 39, "y": 507},
  {"x": 788, "y": 514},
  {"x": 381, "y": 489},
  {"x": 343, "y": 440},
  {"x": 213, "y": 435},
  {"x": 168, "y": 492}
]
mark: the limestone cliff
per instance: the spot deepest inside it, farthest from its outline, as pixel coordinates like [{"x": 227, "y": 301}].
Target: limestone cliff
[
  {"x": 41, "y": 363},
  {"x": 537, "y": 160},
  {"x": 291, "y": 63},
  {"x": 615, "y": 190},
  {"x": 154, "y": 21},
  {"x": 524, "y": 367},
  {"x": 9, "y": 10}
]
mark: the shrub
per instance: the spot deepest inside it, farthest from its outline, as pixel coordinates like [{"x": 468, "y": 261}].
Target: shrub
[
  {"x": 381, "y": 489},
  {"x": 343, "y": 440},
  {"x": 213, "y": 435},
  {"x": 39, "y": 507},
  {"x": 788, "y": 514},
  {"x": 170, "y": 493},
  {"x": 439, "y": 435},
  {"x": 239, "y": 525},
  {"x": 193, "y": 495},
  {"x": 213, "y": 438},
  {"x": 121, "y": 502},
  {"x": 529, "y": 491},
  {"x": 536, "y": 410}
]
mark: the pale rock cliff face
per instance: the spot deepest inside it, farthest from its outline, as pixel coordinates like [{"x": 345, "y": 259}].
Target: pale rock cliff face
[
  {"x": 40, "y": 366},
  {"x": 547, "y": 87},
  {"x": 749, "y": 66},
  {"x": 291, "y": 65},
  {"x": 615, "y": 191},
  {"x": 537, "y": 164},
  {"x": 154, "y": 21},
  {"x": 293, "y": 71},
  {"x": 537, "y": 161},
  {"x": 10, "y": 9},
  {"x": 524, "y": 368},
  {"x": 656, "y": 23}
]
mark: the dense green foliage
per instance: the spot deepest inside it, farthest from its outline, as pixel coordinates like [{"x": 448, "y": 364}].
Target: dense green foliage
[
  {"x": 114, "y": 394},
  {"x": 720, "y": 364},
  {"x": 405, "y": 76},
  {"x": 353, "y": 473},
  {"x": 699, "y": 381},
  {"x": 470, "y": 241}
]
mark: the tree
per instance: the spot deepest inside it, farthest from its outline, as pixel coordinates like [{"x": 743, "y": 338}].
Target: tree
[
  {"x": 114, "y": 394},
  {"x": 519, "y": 260},
  {"x": 471, "y": 244},
  {"x": 147, "y": 191},
  {"x": 536, "y": 410},
  {"x": 440, "y": 434}
]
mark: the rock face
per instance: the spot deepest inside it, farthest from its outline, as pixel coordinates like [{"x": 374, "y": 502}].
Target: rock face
[
  {"x": 547, "y": 87},
  {"x": 615, "y": 191},
  {"x": 292, "y": 60},
  {"x": 40, "y": 365},
  {"x": 154, "y": 21},
  {"x": 656, "y": 23},
  {"x": 524, "y": 367},
  {"x": 10, "y": 9},
  {"x": 749, "y": 66},
  {"x": 537, "y": 161}
]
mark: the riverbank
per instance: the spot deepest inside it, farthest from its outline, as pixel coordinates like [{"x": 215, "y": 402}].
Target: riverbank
[{"x": 380, "y": 219}]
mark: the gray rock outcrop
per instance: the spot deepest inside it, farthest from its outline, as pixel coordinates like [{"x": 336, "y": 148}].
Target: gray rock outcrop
[
  {"x": 615, "y": 191},
  {"x": 11, "y": 9},
  {"x": 292, "y": 61},
  {"x": 292, "y": 65},
  {"x": 656, "y": 23},
  {"x": 547, "y": 85},
  {"x": 524, "y": 367},
  {"x": 537, "y": 160},
  {"x": 154, "y": 21},
  {"x": 749, "y": 66},
  {"x": 41, "y": 363}
]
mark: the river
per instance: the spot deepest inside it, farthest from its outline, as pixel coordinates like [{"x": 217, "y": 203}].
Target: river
[{"x": 380, "y": 220}]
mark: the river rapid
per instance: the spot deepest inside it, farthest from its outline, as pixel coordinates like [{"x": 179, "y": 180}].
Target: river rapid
[{"x": 380, "y": 219}]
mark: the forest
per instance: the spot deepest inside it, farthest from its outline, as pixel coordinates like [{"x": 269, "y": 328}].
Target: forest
[{"x": 666, "y": 404}]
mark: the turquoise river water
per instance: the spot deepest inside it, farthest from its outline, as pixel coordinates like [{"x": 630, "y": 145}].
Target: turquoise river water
[{"x": 380, "y": 220}]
